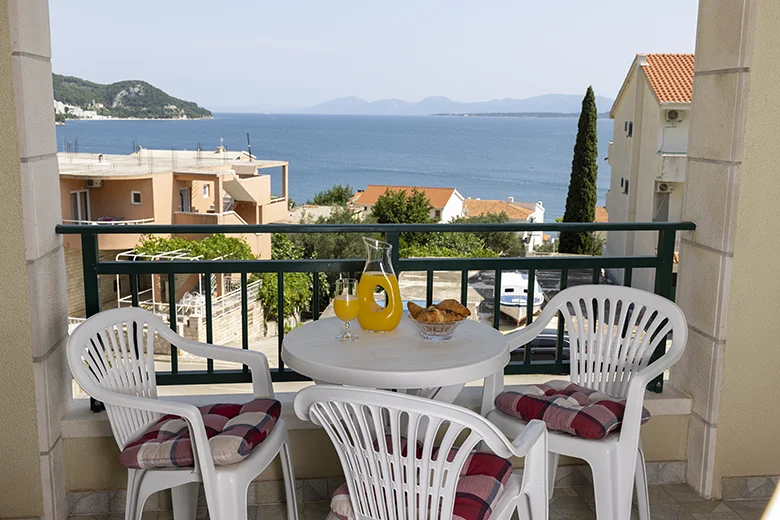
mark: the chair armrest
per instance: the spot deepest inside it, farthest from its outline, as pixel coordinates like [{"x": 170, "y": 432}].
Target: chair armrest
[
  {"x": 529, "y": 333},
  {"x": 534, "y": 431},
  {"x": 201, "y": 448},
  {"x": 256, "y": 361}
]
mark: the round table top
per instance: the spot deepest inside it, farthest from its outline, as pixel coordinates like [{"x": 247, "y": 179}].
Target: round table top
[{"x": 398, "y": 359}]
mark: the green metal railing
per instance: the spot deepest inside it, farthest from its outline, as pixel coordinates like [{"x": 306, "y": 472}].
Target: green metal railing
[{"x": 661, "y": 263}]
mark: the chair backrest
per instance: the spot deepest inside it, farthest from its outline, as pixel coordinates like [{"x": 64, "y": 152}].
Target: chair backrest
[
  {"x": 400, "y": 454},
  {"x": 613, "y": 332},
  {"x": 113, "y": 352}
]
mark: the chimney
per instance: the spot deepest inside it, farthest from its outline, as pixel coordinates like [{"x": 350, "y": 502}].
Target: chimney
[{"x": 510, "y": 199}]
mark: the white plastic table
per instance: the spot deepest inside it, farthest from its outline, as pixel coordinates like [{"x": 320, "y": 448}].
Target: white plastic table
[{"x": 399, "y": 359}]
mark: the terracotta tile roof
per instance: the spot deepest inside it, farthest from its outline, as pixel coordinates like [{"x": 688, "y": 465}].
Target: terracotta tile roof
[
  {"x": 601, "y": 214},
  {"x": 670, "y": 76},
  {"x": 477, "y": 207},
  {"x": 438, "y": 196}
]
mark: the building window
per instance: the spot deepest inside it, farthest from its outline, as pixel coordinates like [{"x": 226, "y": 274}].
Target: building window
[
  {"x": 135, "y": 198},
  {"x": 79, "y": 206},
  {"x": 206, "y": 188},
  {"x": 625, "y": 126},
  {"x": 625, "y": 187},
  {"x": 630, "y": 129},
  {"x": 438, "y": 213},
  {"x": 622, "y": 180}
]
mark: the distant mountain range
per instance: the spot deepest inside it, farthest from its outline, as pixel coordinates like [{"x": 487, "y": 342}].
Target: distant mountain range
[
  {"x": 548, "y": 103},
  {"x": 130, "y": 98}
]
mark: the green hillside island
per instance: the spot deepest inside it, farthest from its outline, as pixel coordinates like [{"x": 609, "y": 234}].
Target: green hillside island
[{"x": 124, "y": 99}]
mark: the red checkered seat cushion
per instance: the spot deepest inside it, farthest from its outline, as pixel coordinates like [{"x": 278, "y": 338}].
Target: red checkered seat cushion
[
  {"x": 479, "y": 488},
  {"x": 233, "y": 430},
  {"x": 566, "y": 407}
]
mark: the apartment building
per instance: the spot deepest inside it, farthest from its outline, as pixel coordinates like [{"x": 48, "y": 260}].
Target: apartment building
[
  {"x": 446, "y": 203},
  {"x": 648, "y": 154},
  {"x": 163, "y": 187},
  {"x": 516, "y": 211}
]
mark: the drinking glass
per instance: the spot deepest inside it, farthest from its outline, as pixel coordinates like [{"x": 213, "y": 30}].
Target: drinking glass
[{"x": 346, "y": 306}]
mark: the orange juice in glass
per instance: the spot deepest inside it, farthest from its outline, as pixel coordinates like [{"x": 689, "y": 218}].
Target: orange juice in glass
[{"x": 346, "y": 305}]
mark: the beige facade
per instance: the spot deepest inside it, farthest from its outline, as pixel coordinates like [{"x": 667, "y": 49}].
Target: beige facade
[
  {"x": 647, "y": 157},
  {"x": 724, "y": 435},
  {"x": 164, "y": 187},
  {"x": 34, "y": 380},
  {"x": 728, "y": 273}
]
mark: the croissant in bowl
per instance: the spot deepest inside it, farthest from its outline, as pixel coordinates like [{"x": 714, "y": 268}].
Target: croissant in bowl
[{"x": 445, "y": 311}]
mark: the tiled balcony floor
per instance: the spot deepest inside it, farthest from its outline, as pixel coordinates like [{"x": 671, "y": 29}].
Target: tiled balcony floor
[{"x": 667, "y": 502}]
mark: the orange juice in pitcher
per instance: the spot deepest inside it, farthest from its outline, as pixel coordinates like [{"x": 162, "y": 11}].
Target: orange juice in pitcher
[{"x": 379, "y": 274}]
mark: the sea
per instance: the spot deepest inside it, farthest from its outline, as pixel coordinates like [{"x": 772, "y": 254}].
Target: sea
[{"x": 528, "y": 158}]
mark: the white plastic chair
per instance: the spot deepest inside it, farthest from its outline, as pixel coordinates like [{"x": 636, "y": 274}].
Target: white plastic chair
[
  {"x": 111, "y": 355},
  {"x": 356, "y": 420},
  {"x": 613, "y": 332}
]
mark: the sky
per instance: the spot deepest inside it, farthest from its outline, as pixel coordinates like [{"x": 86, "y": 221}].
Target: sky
[{"x": 248, "y": 55}]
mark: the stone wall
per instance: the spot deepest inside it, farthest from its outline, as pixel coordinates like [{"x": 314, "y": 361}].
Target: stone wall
[
  {"x": 74, "y": 279},
  {"x": 227, "y": 326}
]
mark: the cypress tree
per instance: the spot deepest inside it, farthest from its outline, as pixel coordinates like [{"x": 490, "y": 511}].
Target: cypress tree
[{"x": 581, "y": 200}]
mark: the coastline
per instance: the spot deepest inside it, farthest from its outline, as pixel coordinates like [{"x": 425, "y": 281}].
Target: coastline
[{"x": 139, "y": 119}]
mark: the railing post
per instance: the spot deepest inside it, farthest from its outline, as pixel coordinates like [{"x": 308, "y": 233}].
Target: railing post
[
  {"x": 89, "y": 258},
  {"x": 663, "y": 287},
  {"x": 663, "y": 273},
  {"x": 394, "y": 239}
]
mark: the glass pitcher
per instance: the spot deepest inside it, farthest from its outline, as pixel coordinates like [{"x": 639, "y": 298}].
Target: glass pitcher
[{"x": 379, "y": 273}]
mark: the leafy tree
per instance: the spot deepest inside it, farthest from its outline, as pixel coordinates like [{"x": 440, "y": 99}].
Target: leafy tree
[
  {"x": 581, "y": 199},
  {"x": 209, "y": 248},
  {"x": 428, "y": 250},
  {"x": 331, "y": 245},
  {"x": 291, "y": 204},
  {"x": 298, "y": 287},
  {"x": 398, "y": 207},
  {"x": 503, "y": 243},
  {"x": 338, "y": 195}
]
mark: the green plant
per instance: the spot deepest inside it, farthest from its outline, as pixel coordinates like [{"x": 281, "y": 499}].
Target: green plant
[
  {"x": 298, "y": 287},
  {"x": 503, "y": 243},
  {"x": 398, "y": 207},
  {"x": 209, "y": 248},
  {"x": 581, "y": 199},
  {"x": 338, "y": 195},
  {"x": 428, "y": 250}
]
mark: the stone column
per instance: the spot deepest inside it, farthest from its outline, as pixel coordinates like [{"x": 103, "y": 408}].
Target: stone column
[
  {"x": 35, "y": 382},
  {"x": 729, "y": 285}
]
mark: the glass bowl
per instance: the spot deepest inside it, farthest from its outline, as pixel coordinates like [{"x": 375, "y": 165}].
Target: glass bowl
[{"x": 436, "y": 330}]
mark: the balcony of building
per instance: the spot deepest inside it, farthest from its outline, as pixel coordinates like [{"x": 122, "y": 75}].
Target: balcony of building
[
  {"x": 713, "y": 434},
  {"x": 673, "y": 166}
]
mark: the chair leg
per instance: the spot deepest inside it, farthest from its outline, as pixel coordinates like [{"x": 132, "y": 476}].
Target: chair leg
[
  {"x": 642, "y": 495},
  {"x": 132, "y": 507},
  {"x": 231, "y": 501},
  {"x": 604, "y": 488},
  {"x": 524, "y": 511},
  {"x": 538, "y": 505},
  {"x": 185, "y": 501},
  {"x": 289, "y": 481},
  {"x": 552, "y": 468}
]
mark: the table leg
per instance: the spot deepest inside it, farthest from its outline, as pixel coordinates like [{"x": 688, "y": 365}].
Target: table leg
[{"x": 445, "y": 394}]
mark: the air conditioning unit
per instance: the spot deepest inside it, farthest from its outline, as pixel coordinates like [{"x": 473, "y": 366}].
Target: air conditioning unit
[
  {"x": 664, "y": 187},
  {"x": 674, "y": 116},
  {"x": 94, "y": 183}
]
